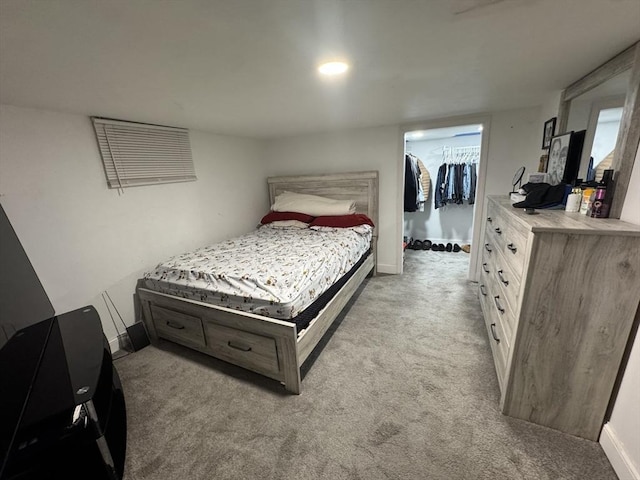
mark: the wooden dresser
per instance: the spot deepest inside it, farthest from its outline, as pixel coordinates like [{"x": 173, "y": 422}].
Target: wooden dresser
[{"x": 559, "y": 293}]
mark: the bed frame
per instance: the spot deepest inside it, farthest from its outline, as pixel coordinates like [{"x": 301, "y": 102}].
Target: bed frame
[{"x": 270, "y": 347}]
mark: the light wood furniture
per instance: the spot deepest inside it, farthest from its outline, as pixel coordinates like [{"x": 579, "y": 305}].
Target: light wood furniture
[
  {"x": 559, "y": 293},
  {"x": 271, "y": 347}
]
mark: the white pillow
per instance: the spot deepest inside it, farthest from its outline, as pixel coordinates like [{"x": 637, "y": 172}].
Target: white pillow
[
  {"x": 312, "y": 204},
  {"x": 286, "y": 224},
  {"x": 361, "y": 229}
]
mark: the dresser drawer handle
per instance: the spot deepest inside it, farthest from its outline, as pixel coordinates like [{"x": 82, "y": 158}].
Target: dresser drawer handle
[
  {"x": 512, "y": 247},
  {"x": 242, "y": 349},
  {"x": 493, "y": 333},
  {"x": 483, "y": 291},
  {"x": 498, "y": 230},
  {"x": 488, "y": 248},
  {"x": 484, "y": 267},
  {"x": 489, "y": 219},
  {"x": 173, "y": 325},
  {"x": 498, "y": 306},
  {"x": 502, "y": 279}
]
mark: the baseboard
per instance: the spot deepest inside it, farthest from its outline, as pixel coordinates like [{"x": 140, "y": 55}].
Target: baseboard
[
  {"x": 615, "y": 452},
  {"x": 384, "y": 268},
  {"x": 114, "y": 345}
]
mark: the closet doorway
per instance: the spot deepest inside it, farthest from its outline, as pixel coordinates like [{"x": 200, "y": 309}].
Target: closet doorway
[{"x": 441, "y": 188}]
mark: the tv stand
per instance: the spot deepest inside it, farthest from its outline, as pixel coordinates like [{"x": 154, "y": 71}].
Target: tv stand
[{"x": 73, "y": 424}]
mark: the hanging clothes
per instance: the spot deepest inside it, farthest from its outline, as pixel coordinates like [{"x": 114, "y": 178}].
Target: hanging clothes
[
  {"x": 439, "y": 197},
  {"x": 411, "y": 184},
  {"x": 425, "y": 180},
  {"x": 456, "y": 184},
  {"x": 459, "y": 190},
  {"x": 470, "y": 180}
]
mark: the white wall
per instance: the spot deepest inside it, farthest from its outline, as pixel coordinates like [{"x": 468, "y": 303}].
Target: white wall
[
  {"x": 451, "y": 223},
  {"x": 548, "y": 110},
  {"x": 83, "y": 238},
  {"x": 348, "y": 151},
  {"x": 515, "y": 140},
  {"x": 620, "y": 437}
]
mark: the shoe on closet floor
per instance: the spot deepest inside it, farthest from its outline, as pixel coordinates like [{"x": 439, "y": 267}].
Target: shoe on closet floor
[
  {"x": 449, "y": 247},
  {"x": 466, "y": 248},
  {"x": 426, "y": 245},
  {"x": 434, "y": 247},
  {"x": 456, "y": 247},
  {"x": 441, "y": 247}
]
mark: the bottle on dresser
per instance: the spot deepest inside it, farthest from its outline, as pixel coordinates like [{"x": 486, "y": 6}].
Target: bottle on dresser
[
  {"x": 573, "y": 200},
  {"x": 601, "y": 198}
]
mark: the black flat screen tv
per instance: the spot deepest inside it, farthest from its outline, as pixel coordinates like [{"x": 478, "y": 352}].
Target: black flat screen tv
[{"x": 26, "y": 319}]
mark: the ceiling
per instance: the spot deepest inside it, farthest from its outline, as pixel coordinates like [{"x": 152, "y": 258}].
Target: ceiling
[{"x": 248, "y": 67}]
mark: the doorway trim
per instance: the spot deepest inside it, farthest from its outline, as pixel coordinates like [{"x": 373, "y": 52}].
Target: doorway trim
[{"x": 479, "y": 206}]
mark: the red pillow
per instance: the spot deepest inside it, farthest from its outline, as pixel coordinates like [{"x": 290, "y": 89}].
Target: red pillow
[
  {"x": 277, "y": 216},
  {"x": 343, "y": 221}
]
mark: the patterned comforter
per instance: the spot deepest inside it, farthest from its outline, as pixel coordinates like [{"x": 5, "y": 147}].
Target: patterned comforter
[{"x": 275, "y": 272}]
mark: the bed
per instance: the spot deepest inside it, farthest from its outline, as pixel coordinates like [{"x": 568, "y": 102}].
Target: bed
[{"x": 257, "y": 339}]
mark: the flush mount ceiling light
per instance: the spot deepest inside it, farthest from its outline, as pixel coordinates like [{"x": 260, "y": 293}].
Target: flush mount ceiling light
[{"x": 333, "y": 68}]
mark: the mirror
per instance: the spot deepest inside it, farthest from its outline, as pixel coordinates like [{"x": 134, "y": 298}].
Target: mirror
[
  {"x": 593, "y": 93},
  {"x": 605, "y": 133},
  {"x": 599, "y": 112},
  {"x": 517, "y": 179}
]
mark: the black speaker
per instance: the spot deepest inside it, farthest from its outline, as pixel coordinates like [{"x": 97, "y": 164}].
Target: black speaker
[{"x": 138, "y": 336}]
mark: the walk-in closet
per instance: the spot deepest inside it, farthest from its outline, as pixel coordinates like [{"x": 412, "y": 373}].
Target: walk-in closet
[{"x": 440, "y": 188}]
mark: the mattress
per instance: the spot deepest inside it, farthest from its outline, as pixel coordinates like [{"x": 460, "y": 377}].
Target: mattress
[{"x": 274, "y": 272}]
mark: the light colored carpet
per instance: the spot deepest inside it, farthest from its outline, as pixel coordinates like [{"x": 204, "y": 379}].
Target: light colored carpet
[{"x": 404, "y": 388}]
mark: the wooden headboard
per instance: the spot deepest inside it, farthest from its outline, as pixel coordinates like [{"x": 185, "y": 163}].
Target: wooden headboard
[{"x": 359, "y": 186}]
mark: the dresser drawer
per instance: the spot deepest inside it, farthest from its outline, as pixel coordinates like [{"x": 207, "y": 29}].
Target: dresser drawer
[
  {"x": 496, "y": 304},
  {"x": 256, "y": 352},
  {"x": 497, "y": 338},
  {"x": 508, "y": 237},
  {"x": 504, "y": 317},
  {"x": 508, "y": 283},
  {"x": 177, "y": 326}
]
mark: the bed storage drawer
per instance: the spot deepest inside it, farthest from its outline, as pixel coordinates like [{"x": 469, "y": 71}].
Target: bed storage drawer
[
  {"x": 256, "y": 352},
  {"x": 177, "y": 326}
]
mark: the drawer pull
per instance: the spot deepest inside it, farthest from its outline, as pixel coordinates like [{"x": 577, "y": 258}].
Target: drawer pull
[
  {"x": 484, "y": 267},
  {"x": 498, "y": 231},
  {"x": 243, "y": 349},
  {"x": 173, "y": 325},
  {"x": 489, "y": 219},
  {"x": 502, "y": 279},
  {"x": 483, "y": 291},
  {"x": 512, "y": 247},
  {"x": 488, "y": 248},
  {"x": 498, "y": 306},
  {"x": 493, "y": 333}
]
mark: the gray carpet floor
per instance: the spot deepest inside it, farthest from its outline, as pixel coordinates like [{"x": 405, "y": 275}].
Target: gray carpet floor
[{"x": 403, "y": 388}]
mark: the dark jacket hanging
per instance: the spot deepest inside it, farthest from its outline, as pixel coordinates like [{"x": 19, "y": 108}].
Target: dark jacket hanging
[
  {"x": 439, "y": 197},
  {"x": 411, "y": 179}
]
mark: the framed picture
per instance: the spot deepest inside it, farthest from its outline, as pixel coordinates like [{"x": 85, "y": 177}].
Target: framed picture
[
  {"x": 542, "y": 164},
  {"x": 547, "y": 133},
  {"x": 558, "y": 152}
]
